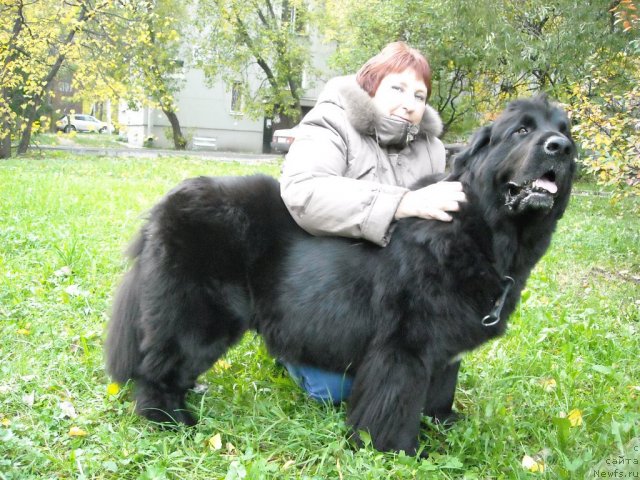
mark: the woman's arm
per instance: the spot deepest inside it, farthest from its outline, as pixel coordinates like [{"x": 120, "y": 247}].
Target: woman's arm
[{"x": 316, "y": 191}]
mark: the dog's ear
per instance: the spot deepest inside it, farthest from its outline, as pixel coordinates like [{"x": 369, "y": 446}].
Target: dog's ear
[{"x": 478, "y": 141}]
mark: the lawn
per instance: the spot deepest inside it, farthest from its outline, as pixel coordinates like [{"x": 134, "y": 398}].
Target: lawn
[
  {"x": 77, "y": 139},
  {"x": 560, "y": 392}
]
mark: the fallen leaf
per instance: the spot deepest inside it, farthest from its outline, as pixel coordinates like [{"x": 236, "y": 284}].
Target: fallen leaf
[
  {"x": 221, "y": 365},
  {"x": 113, "y": 388},
  {"x": 532, "y": 465},
  {"x": 68, "y": 410},
  {"x": 549, "y": 384},
  {"x": 200, "y": 388},
  {"x": 75, "y": 291},
  {"x": 5, "y": 422},
  {"x": 575, "y": 417},
  {"x": 29, "y": 398},
  {"x": 215, "y": 442},
  {"x": 288, "y": 464},
  {"x": 23, "y": 331},
  {"x": 6, "y": 388},
  {"x": 231, "y": 449},
  {"x": 63, "y": 272},
  {"x": 537, "y": 462},
  {"x": 77, "y": 432}
]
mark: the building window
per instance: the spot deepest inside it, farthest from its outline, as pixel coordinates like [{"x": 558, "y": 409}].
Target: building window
[
  {"x": 298, "y": 20},
  {"x": 236, "y": 97},
  {"x": 65, "y": 87}
]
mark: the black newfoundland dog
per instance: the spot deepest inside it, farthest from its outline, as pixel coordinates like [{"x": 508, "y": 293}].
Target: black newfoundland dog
[{"x": 219, "y": 256}]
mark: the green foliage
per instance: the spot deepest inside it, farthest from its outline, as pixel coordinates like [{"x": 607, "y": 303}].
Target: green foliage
[
  {"x": 607, "y": 125},
  {"x": 435, "y": 28},
  {"x": 37, "y": 37},
  {"x": 141, "y": 58},
  {"x": 626, "y": 14},
  {"x": 261, "y": 47},
  {"x": 482, "y": 54},
  {"x": 572, "y": 345},
  {"x": 116, "y": 49},
  {"x": 485, "y": 53}
]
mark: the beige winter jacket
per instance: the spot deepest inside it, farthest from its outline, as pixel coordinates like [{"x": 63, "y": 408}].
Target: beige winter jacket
[{"x": 349, "y": 165}]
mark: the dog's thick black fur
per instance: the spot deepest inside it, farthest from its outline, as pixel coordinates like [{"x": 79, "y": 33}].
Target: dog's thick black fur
[{"x": 219, "y": 256}]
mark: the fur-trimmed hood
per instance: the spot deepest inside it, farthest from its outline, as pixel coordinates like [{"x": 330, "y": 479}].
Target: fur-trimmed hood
[{"x": 362, "y": 113}]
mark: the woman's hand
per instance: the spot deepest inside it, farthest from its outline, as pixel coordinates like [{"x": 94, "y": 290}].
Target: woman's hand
[{"x": 432, "y": 202}]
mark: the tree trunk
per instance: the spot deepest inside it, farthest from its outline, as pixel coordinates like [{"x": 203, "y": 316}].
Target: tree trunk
[
  {"x": 295, "y": 93},
  {"x": 179, "y": 142},
  {"x": 6, "y": 126},
  {"x": 612, "y": 15},
  {"x": 5, "y": 146},
  {"x": 25, "y": 138}
]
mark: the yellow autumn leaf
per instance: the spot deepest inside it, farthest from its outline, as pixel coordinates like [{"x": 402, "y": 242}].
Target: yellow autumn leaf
[
  {"x": 23, "y": 331},
  {"x": 549, "y": 384},
  {"x": 113, "y": 389},
  {"x": 77, "y": 432},
  {"x": 215, "y": 442},
  {"x": 533, "y": 465},
  {"x": 5, "y": 422},
  {"x": 221, "y": 365},
  {"x": 575, "y": 417}
]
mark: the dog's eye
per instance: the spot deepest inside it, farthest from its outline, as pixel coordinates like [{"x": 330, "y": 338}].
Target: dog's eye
[{"x": 522, "y": 131}]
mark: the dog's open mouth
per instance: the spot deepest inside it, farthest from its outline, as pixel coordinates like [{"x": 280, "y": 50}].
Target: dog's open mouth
[{"x": 536, "y": 194}]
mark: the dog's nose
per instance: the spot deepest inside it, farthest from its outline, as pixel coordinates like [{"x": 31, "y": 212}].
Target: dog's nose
[{"x": 557, "y": 145}]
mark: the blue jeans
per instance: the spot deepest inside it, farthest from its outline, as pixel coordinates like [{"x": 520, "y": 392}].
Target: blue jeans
[{"x": 321, "y": 385}]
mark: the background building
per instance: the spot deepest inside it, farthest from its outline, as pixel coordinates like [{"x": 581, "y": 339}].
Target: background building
[{"x": 215, "y": 112}]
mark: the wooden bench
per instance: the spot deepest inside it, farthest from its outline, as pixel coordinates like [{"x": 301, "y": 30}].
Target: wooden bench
[{"x": 205, "y": 142}]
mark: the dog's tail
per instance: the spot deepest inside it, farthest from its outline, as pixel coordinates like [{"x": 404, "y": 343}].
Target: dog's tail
[{"x": 122, "y": 346}]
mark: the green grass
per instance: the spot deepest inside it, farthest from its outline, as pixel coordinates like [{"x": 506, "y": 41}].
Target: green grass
[
  {"x": 63, "y": 225},
  {"x": 77, "y": 139}
]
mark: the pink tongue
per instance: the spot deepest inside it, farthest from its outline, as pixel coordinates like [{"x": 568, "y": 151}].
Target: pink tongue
[{"x": 547, "y": 185}]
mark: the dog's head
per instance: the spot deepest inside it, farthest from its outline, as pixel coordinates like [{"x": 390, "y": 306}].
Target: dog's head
[{"x": 525, "y": 160}]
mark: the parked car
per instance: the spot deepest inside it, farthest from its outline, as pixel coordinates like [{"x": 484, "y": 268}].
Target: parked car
[
  {"x": 282, "y": 139},
  {"x": 82, "y": 123}
]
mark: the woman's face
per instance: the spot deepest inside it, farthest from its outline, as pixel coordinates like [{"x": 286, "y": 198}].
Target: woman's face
[{"x": 402, "y": 95}]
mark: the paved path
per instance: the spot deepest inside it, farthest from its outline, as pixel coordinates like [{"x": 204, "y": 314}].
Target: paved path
[{"x": 157, "y": 153}]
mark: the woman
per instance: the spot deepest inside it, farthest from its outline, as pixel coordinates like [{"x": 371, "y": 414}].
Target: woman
[{"x": 369, "y": 137}]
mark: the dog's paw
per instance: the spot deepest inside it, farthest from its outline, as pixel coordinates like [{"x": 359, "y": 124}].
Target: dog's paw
[
  {"x": 166, "y": 419},
  {"x": 442, "y": 419},
  {"x": 423, "y": 455},
  {"x": 184, "y": 417},
  {"x": 447, "y": 419}
]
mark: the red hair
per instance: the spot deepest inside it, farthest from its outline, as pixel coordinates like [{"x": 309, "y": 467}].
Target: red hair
[{"x": 394, "y": 58}]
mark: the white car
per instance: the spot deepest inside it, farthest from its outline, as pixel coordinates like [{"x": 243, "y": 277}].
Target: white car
[
  {"x": 82, "y": 123},
  {"x": 282, "y": 139}
]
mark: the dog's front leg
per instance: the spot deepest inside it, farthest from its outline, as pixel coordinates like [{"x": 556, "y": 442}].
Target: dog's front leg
[
  {"x": 389, "y": 393},
  {"x": 442, "y": 388}
]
